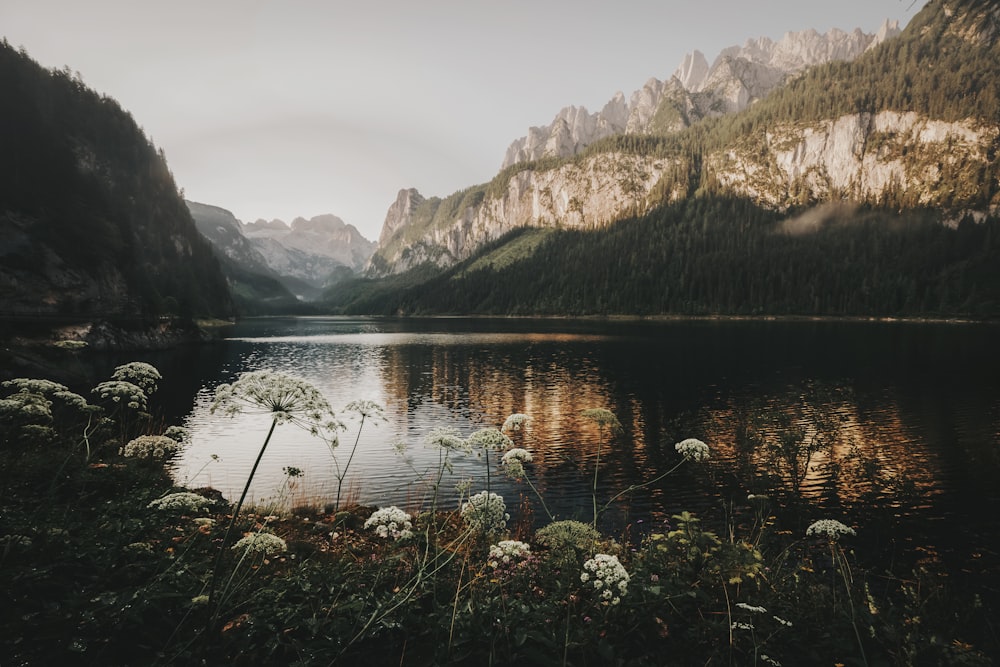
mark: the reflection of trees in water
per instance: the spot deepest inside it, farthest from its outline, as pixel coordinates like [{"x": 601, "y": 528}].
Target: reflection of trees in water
[{"x": 820, "y": 445}]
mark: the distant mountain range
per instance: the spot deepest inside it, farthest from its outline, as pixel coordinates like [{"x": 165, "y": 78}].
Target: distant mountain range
[{"x": 305, "y": 257}]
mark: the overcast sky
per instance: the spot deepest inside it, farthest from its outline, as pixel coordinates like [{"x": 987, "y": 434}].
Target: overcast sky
[{"x": 303, "y": 107}]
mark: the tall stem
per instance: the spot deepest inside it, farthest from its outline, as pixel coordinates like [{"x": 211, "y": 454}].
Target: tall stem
[
  {"x": 341, "y": 476},
  {"x": 597, "y": 466},
  {"x": 232, "y": 521}
]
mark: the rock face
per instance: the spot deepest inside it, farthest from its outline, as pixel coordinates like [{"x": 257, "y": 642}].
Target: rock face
[
  {"x": 584, "y": 194},
  {"x": 739, "y": 76},
  {"x": 888, "y": 158},
  {"x": 303, "y": 255}
]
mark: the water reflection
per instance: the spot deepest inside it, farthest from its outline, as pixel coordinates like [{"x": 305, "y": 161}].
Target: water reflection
[{"x": 918, "y": 410}]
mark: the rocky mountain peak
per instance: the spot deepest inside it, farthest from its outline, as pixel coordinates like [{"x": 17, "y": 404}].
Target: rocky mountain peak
[
  {"x": 692, "y": 70},
  {"x": 400, "y": 213},
  {"x": 738, "y": 76}
]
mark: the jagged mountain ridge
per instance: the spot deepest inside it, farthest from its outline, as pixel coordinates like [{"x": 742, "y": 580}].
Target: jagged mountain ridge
[
  {"x": 739, "y": 76},
  {"x": 305, "y": 256},
  {"x": 806, "y": 144}
]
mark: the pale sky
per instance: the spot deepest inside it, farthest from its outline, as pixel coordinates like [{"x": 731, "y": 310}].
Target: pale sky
[{"x": 304, "y": 107}]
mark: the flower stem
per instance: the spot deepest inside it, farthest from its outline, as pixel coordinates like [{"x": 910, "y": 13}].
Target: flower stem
[{"x": 229, "y": 529}]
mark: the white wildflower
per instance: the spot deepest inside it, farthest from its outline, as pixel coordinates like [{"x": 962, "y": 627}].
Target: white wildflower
[
  {"x": 490, "y": 439},
  {"x": 181, "y": 503},
  {"x": 390, "y": 522},
  {"x": 769, "y": 660},
  {"x": 506, "y": 551},
  {"x": 750, "y": 608},
  {"x": 486, "y": 512},
  {"x": 739, "y": 625},
  {"x": 692, "y": 449},
  {"x": 607, "y": 574},
  {"x": 266, "y": 544},
  {"x": 150, "y": 447},
  {"x": 782, "y": 621},
  {"x": 366, "y": 409},
  {"x": 830, "y": 529},
  {"x": 284, "y": 398},
  {"x": 143, "y": 375},
  {"x": 446, "y": 438},
  {"x": 122, "y": 392},
  {"x": 515, "y": 422},
  {"x": 513, "y": 461}
]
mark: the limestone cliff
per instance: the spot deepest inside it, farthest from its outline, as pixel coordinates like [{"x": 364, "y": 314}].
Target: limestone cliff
[
  {"x": 739, "y": 76},
  {"x": 585, "y": 193},
  {"x": 888, "y": 158}
]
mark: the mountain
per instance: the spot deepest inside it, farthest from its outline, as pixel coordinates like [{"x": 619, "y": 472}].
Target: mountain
[
  {"x": 868, "y": 186},
  {"x": 911, "y": 121},
  {"x": 739, "y": 76},
  {"x": 304, "y": 257},
  {"x": 92, "y": 225}
]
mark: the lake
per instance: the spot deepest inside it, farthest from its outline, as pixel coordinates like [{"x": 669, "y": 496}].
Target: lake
[{"x": 916, "y": 405}]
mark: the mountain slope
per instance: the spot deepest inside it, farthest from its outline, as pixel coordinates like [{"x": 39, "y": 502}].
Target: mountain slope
[
  {"x": 825, "y": 198},
  {"x": 910, "y": 122},
  {"x": 91, "y": 221}
]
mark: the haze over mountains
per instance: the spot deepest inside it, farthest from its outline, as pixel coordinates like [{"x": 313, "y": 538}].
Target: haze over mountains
[{"x": 883, "y": 147}]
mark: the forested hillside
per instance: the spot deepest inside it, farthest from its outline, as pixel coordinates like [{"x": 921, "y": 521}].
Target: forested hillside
[
  {"x": 711, "y": 256},
  {"x": 866, "y": 188},
  {"x": 91, "y": 222}
]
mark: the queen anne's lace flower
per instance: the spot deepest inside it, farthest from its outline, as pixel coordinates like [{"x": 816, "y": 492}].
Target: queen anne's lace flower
[
  {"x": 692, "y": 449},
  {"x": 513, "y": 461},
  {"x": 143, "y": 375},
  {"x": 150, "y": 447},
  {"x": 390, "y": 522},
  {"x": 367, "y": 409},
  {"x": 515, "y": 422},
  {"x": 266, "y": 544},
  {"x": 485, "y": 512},
  {"x": 750, "y": 608},
  {"x": 447, "y": 438},
  {"x": 831, "y": 529},
  {"x": 177, "y": 434},
  {"x": 122, "y": 392},
  {"x": 506, "y": 553},
  {"x": 184, "y": 502},
  {"x": 489, "y": 439},
  {"x": 284, "y": 398},
  {"x": 607, "y": 576}
]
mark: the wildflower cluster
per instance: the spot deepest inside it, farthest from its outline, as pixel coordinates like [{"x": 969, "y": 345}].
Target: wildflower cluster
[
  {"x": 448, "y": 439},
  {"x": 506, "y": 553},
  {"x": 515, "y": 422},
  {"x": 829, "y": 528},
  {"x": 143, "y": 375},
  {"x": 490, "y": 439},
  {"x": 266, "y": 544},
  {"x": 284, "y": 398},
  {"x": 513, "y": 461},
  {"x": 150, "y": 447},
  {"x": 122, "y": 392},
  {"x": 608, "y": 577},
  {"x": 183, "y": 502},
  {"x": 390, "y": 522},
  {"x": 692, "y": 449},
  {"x": 485, "y": 512}
]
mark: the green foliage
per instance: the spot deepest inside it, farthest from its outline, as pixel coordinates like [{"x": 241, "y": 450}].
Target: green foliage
[{"x": 709, "y": 256}]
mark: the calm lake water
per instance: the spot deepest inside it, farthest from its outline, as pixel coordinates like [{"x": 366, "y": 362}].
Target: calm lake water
[{"x": 917, "y": 402}]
